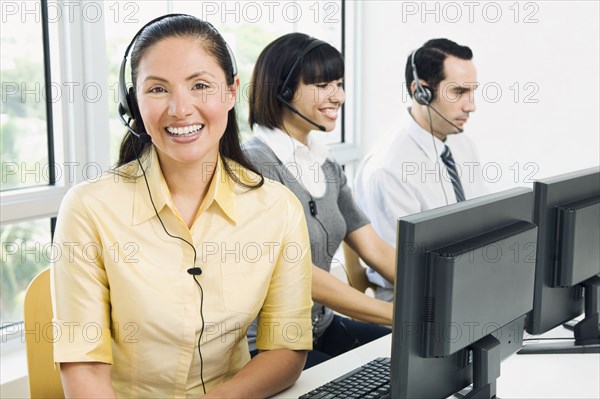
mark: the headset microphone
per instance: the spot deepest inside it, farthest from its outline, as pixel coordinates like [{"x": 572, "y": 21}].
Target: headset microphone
[
  {"x": 312, "y": 206},
  {"x": 460, "y": 130},
  {"x": 294, "y": 110},
  {"x": 142, "y": 136},
  {"x": 194, "y": 271}
]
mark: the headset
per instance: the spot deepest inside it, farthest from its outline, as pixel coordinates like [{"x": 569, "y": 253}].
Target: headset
[
  {"x": 128, "y": 107},
  {"x": 286, "y": 93}
]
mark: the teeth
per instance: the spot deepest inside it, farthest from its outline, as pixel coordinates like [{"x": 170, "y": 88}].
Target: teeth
[
  {"x": 184, "y": 131},
  {"x": 330, "y": 112}
]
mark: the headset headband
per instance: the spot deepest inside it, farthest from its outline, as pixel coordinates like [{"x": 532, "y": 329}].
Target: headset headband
[{"x": 285, "y": 91}]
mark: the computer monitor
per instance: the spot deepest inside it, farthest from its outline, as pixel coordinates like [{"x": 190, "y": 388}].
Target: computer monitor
[
  {"x": 567, "y": 212},
  {"x": 464, "y": 285}
]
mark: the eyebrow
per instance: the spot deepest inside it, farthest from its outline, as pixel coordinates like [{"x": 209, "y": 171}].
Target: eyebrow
[
  {"x": 191, "y": 77},
  {"x": 466, "y": 88}
]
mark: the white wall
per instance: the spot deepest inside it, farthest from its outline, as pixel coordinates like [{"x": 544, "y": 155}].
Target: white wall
[{"x": 555, "y": 53}]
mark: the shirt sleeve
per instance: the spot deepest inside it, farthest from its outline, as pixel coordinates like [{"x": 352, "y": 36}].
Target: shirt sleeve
[
  {"x": 353, "y": 215},
  {"x": 80, "y": 291},
  {"x": 285, "y": 318},
  {"x": 389, "y": 199}
]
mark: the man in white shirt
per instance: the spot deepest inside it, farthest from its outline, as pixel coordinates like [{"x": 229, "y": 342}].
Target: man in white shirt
[{"x": 426, "y": 163}]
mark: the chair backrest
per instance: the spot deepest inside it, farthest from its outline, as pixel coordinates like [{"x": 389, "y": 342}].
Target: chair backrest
[
  {"x": 44, "y": 377},
  {"x": 357, "y": 273}
]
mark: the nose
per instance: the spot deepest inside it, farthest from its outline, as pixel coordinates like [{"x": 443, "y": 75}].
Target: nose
[
  {"x": 180, "y": 104},
  {"x": 469, "y": 104},
  {"x": 338, "y": 94}
]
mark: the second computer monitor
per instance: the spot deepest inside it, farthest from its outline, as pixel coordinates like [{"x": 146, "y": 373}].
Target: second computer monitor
[
  {"x": 567, "y": 212},
  {"x": 464, "y": 284}
]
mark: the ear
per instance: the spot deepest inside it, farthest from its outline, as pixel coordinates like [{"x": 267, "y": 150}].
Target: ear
[
  {"x": 232, "y": 91},
  {"x": 413, "y": 88}
]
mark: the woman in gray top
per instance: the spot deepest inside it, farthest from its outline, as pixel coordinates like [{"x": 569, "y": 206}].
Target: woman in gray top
[{"x": 297, "y": 86}]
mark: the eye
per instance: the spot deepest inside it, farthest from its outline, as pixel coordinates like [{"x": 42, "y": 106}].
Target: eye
[
  {"x": 201, "y": 86},
  {"x": 157, "y": 89},
  {"x": 322, "y": 85}
]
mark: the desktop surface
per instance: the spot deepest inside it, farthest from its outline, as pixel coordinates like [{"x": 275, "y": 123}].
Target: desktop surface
[{"x": 560, "y": 376}]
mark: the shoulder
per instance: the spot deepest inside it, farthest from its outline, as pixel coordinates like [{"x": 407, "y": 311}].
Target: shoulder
[
  {"x": 96, "y": 190},
  {"x": 332, "y": 166},
  {"x": 261, "y": 156},
  {"x": 393, "y": 147},
  {"x": 270, "y": 191},
  {"x": 272, "y": 202},
  {"x": 256, "y": 148},
  {"x": 109, "y": 183}
]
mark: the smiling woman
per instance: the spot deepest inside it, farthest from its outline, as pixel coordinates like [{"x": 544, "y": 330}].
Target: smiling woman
[
  {"x": 297, "y": 86},
  {"x": 182, "y": 184}
]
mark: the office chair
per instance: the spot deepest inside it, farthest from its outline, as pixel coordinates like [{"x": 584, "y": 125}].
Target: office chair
[
  {"x": 44, "y": 378},
  {"x": 357, "y": 273}
]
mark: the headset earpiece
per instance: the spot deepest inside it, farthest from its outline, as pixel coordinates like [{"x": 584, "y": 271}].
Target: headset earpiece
[
  {"x": 134, "y": 110},
  {"x": 286, "y": 92},
  {"x": 423, "y": 94}
]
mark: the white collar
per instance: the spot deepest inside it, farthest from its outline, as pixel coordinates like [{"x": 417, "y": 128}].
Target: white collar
[
  {"x": 422, "y": 137},
  {"x": 284, "y": 146}
]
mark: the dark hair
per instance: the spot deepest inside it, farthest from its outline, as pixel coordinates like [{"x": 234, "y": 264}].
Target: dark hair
[
  {"x": 323, "y": 64},
  {"x": 213, "y": 43},
  {"x": 429, "y": 60}
]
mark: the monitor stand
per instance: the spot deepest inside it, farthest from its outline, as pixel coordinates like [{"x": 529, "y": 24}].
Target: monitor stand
[
  {"x": 486, "y": 369},
  {"x": 586, "y": 332}
]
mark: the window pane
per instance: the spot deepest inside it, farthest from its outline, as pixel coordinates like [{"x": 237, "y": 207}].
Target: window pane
[
  {"x": 26, "y": 250},
  {"x": 23, "y": 126}
]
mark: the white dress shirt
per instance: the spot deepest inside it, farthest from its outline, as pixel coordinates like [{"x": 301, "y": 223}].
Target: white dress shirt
[
  {"x": 404, "y": 174},
  {"x": 304, "y": 162}
]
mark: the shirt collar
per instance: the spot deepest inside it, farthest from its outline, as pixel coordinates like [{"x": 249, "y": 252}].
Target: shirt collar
[
  {"x": 422, "y": 137},
  {"x": 284, "y": 146},
  {"x": 221, "y": 190}
]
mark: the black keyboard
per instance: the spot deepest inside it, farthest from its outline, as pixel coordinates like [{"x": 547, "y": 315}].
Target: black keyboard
[{"x": 371, "y": 381}]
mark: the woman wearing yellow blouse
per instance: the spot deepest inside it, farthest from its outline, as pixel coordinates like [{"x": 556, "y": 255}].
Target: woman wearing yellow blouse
[{"x": 170, "y": 257}]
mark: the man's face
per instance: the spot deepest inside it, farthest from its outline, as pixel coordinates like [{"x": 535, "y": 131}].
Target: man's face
[{"x": 454, "y": 97}]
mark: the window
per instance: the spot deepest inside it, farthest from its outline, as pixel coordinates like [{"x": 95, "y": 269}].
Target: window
[{"x": 27, "y": 149}]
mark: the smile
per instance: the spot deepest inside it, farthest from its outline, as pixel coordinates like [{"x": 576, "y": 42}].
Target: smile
[
  {"x": 330, "y": 112},
  {"x": 185, "y": 131}
]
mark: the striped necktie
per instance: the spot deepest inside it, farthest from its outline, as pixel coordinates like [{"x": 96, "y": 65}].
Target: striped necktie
[{"x": 453, "y": 174}]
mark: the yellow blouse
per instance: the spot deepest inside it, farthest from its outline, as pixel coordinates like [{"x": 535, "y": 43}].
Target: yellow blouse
[{"x": 122, "y": 294}]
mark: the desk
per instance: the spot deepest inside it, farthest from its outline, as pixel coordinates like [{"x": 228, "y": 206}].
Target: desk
[{"x": 561, "y": 376}]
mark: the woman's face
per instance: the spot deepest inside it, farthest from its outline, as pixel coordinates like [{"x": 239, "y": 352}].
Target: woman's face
[
  {"x": 320, "y": 102},
  {"x": 184, "y": 100}
]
